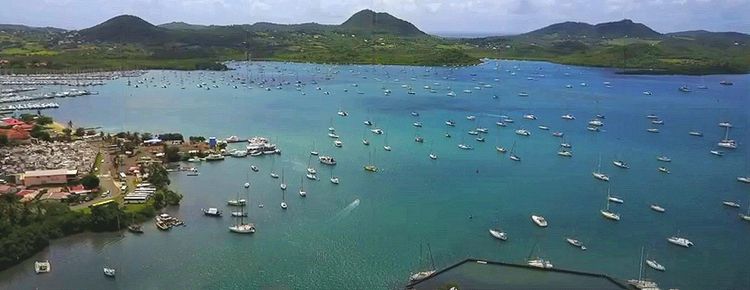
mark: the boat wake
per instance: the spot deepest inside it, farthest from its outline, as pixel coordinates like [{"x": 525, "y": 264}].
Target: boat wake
[{"x": 343, "y": 213}]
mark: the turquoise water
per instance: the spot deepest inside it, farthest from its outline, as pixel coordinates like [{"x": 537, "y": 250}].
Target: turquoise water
[{"x": 328, "y": 240}]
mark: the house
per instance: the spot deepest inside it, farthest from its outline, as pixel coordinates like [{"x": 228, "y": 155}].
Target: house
[{"x": 44, "y": 177}]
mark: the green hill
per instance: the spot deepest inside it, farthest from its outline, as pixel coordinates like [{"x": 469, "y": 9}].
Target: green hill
[
  {"x": 124, "y": 29},
  {"x": 182, "y": 26},
  {"x": 369, "y": 21}
]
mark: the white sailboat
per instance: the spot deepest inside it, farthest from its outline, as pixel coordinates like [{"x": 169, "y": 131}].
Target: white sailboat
[
  {"x": 642, "y": 283},
  {"x": 608, "y": 213},
  {"x": 513, "y": 155},
  {"x": 302, "y": 191},
  {"x": 746, "y": 217},
  {"x": 419, "y": 276},
  {"x": 386, "y": 147},
  {"x": 240, "y": 226},
  {"x": 283, "y": 184},
  {"x": 598, "y": 174}
]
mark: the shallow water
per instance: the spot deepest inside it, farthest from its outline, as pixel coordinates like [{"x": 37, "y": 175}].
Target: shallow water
[{"x": 328, "y": 240}]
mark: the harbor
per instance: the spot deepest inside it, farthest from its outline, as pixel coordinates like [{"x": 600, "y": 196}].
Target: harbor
[{"x": 369, "y": 224}]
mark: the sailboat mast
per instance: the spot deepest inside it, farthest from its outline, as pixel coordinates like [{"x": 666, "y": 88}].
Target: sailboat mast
[
  {"x": 432, "y": 260},
  {"x": 640, "y": 267}
]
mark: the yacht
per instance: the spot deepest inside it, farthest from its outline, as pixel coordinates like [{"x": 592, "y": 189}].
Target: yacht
[
  {"x": 367, "y": 123},
  {"x": 283, "y": 184},
  {"x": 565, "y": 153},
  {"x": 680, "y": 241},
  {"x": 539, "y": 220},
  {"x": 214, "y": 157},
  {"x": 655, "y": 265},
  {"x": 243, "y": 228},
  {"x": 311, "y": 176},
  {"x": 663, "y": 170},
  {"x": 593, "y": 129},
  {"x": 596, "y": 123},
  {"x": 433, "y": 156},
  {"x": 615, "y": 199},
  {"x": 746, "y": 217},
  {"x": 473, "y": 133},
  {"x": 480, "y": 139},
  {"x": 417, "y": 124},
  {"x": 717, "y": 152},
  {"x": 327, "y": 160},
  {"x": 465, "y": 147},
  {"x": 657, "y": 122},
  {"x": 342, "y": 113},
  {"x": 377, "y": 131},
  {"x": 42, "y": 267},
  {"x": 744, "y": 179},
  {"x": 523, "y": 94},
  {"x": 471, "y": 117},
  {"x": 726, "y": 142},
  {"x": 568, "y": 117},
  {"x": 365, "y": 142},
  {"x": 334, "y": 180},
  {"x": 500, "y": 149},
  {"x": 652, "y": 130},
  {"x": 621, "y": 164},
  {"x": 338, "y": 143},
  {"x": 529, "y": 117},
  {"x": 333, "y": 135},
  {"x": 237, "y": 202},
  {"x": 695, "y": 133},
  {"x": 418, "y": 139},
  {"x": 725, "y": 124},
  {"x": 109, "y": 272},
  {"x": 499, "y": 234},
  {"x": 540, "y": 263},
  {"x": 212, "y": 211},
  {"x": 664, "y": 158},
  {"x": 657, "y": 208},
  {"x": 274, "y": 175},
  {"x": 302, "y": 191},
  {"x": 414, "y": 114},
  {"x": 557, "y": 134},
  {"x": 542, "y": 127},
  {"x": 642, "y": 283},
  {"x": 576, "y": 243},
  {"x": 608, "y": 213},
  {"x": 254, "y": 168},
  {"x": 731, "y": 204},
  {"x": 450, "y": 123},
  {"x": 501, "y": 124},
  {"x": 523, "y": 132}
]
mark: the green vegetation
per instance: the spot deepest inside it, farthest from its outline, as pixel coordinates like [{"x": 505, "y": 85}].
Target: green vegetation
[
  {"x": 128, "y": 42},
  {"x": 90, "y": 181}
]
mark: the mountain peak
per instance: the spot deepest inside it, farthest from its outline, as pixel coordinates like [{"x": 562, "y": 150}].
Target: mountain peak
[
  {"x": 369, "y": 21},
  {"x": 123, "y": 28}
]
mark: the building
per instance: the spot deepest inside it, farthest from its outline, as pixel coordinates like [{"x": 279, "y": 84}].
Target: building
[{"x": 44, "y": 177}]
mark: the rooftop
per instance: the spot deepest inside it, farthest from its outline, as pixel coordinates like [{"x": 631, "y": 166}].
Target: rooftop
[
  {"x": 479, "y": 274},
  {"x": 38, "y": 173}
]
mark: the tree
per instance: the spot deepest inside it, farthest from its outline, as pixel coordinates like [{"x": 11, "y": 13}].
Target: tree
[
  {"x": 157, "y": 175},
  {"x": 80, "y": 132},
  {"x": 106, "y": 217},
  {"x": 172, "y": 154},
  {"x": 44, "y": 120},
  {"x": 90, "y": 181}
]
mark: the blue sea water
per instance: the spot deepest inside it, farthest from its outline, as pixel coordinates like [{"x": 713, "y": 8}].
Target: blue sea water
[{"x": 366, "y": 232}]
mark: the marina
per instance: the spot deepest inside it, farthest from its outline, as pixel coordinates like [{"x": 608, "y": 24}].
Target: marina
[{"x": 327, "y": 224}]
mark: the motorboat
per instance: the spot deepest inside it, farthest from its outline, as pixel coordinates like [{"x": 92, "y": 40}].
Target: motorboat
[
  {"x": 433, "y": 156},
  {"x": 652, "y": 130},
  {"x": 417, "y": 124},
  {"x": 365, "y": 142},
  {"x": 600, "y": 176},
  {"x": 725, "y": 124},
  {"x": 450, "y": 123},
  {"x": 540, "y": 263},
  {"x": 500, "y": 149},
  {"x": 342, "y": 113},
  {"x": 471, "y": 117},
  {"x": 334, "y": 180},
  {"x": 523, "y": 132},
  {"x": 657, "y": 208},
  {"x": 663, "y": 170},
  {"x": 717, "y": 152},
  {"x": 419, "y": 276},
  {"x": 695, "y": 133},
  {"x": 274, "y": 175},
  {"x": 499, "y": 234},
  {"x": 542, "y": 127},
  {"x": 680, "y": 241},
  {"x": 539, "y": 220},
  {"x": 657, "y": 122},
  {"x": 243, "y": 228},
  {"x": 621, "y": 164},
  {"x": 418, "y": 139},
  {"x": 327, "y": 160},
  {"x": 615, "y": 199},
  {"x": 529, "y": 117},
  {"x": 663, "y": 158},
  {"x": 333, "y": 135},
  {"x": 743, "y": 179},
  {"x": 377, "y": 131},
  {"x": 109, "y": 272},
  {"x": 371, "y": 168},
  {"x": 237, "y": 202},
  {"x": 338, "y": 143},
  {"x": 135, "y": 228},
  {"x": 465, "y": 147},
  {"x": 731, "y": 204},
  {"x": 311, "y": 176},
  {"x": 414, "y": 114},
  {"x": 576, "y": 243},
  {"x": 212, "y": 212},
  {"x": 254, "y": 168},
  {"x": 481, "y": 130},
  {"x": 367, "y": 123},
  {"x": 501, "y": 124},
  {"x": 557, "y": 134},
  {"x": 596, "y": 123},
  {"x": 479, "y": 139},
  {"x": 42, "y": 267},
  {"x": 655, "y": 265},
  {"x": 565, "y": 153},
  {"x": 473, "y": 133},
  {"x": 387, "y": 148},
  {"x": 593, "y": 129},
  {"x": 568, "y": 117}
]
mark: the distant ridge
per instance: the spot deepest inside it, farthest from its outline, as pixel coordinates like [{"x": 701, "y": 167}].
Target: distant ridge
[
  {"x": 380, "y": 22},
  {"x": 182, "y": 26},
  {"x": 617, "y": 29},
  {"x": 124, "y": 28}
]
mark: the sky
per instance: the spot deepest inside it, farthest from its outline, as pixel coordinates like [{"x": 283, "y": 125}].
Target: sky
[{"x": 444, "y": 17}]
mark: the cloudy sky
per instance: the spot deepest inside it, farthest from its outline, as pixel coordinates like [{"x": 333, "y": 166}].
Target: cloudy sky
[{"x": 434, "y": 16}]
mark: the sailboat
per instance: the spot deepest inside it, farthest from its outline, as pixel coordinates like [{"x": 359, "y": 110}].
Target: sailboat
[
  {"x": 746, "y": 216},
  {"x": 564, "y": 152},
  {"x": 642, "y": 283},
  {"x": 513, "y": 155},
  {"x": 598, "y": 174},
  {"x": 273, "y": 168},
  {"x": 334, "y": 179},
  {"x": 283, "y": 200},
  {"x": 726, "y": 142},
  {"x": 314, "y": 152},
  {"x": 310, "y": 169},
  {"x": 537, "y": 261},
  {"x": 385, "y": 143},
  {"x": 282, "y": 185},
  {"x": 432, "y": 154},
  {"x": 237, "y": 201},
  {"x": 419, "y": 276},
  {"x": 498, "y": 233},
  {"x": 369, "y": 166},
  {"x": 240, "y": 226},
  {"x": 302, "y": 191},
  {"x": 606, "y": 212}
]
